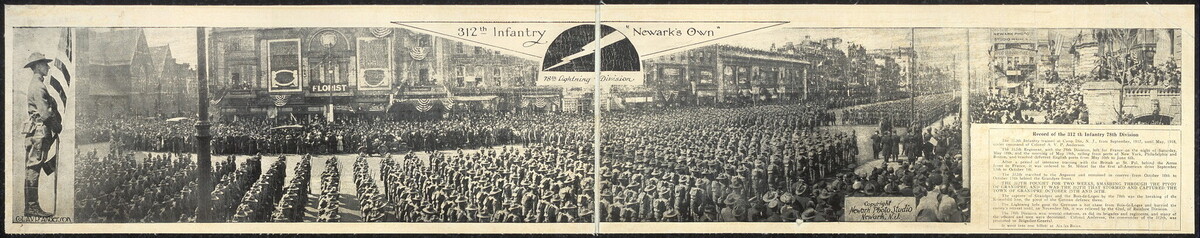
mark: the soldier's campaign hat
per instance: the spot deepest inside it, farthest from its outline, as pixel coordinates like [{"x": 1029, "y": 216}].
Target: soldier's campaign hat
[
  {"x": 808, "y": 214},
  {"x": 732, "y": 199},
  {"x": 736, "y": 183},
  {"x": 35, "y": 59},
  {"x": 649, "y": 188},
  {"x": 665, "y": 189},
  {"x": 770, "y": 196},
  {"x": 670, "y": 213},
  {"x": 567, "y": 206},
  {"x": 891, "y": 188},
  {"x": 825, "y": 193},
  {"x": 786, "y": 198},
  {"x": 870, "y": 189},
  {"x": 722, "y": 176}
]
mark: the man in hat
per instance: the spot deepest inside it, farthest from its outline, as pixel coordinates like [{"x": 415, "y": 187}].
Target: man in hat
[{"x": 40, "y": 133}]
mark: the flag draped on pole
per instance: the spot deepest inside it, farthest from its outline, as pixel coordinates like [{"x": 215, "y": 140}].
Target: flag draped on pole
[
  {"x": 391, "y": 101},
  {"x": 58, "y": 84}
]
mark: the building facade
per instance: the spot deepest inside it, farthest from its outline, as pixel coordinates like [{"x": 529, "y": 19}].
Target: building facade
[
  {"x": 113, "y": 65},
  {"x": 362, "y": 71},
  {"x": 718, "y": 74}
]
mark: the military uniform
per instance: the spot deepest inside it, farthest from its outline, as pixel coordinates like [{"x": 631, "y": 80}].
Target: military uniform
[{"x": 41, "y": 132}]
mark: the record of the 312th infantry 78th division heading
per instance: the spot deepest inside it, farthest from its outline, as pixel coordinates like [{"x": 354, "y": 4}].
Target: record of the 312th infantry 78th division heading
[{"x": 599, "y": 119}]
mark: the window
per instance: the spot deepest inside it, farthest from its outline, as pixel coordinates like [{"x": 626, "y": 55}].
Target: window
[
  {"x": 496, "y": 71},
  {"x": 283, "y": 65},
  {"x": 236, "y": 80},
  {"x": 232, "y": 46},
  {"x": 478, "y": 50},
  {"x": 423, "y": 75},
  {"x": 458, "y": 48},
  {"x": 459, "y": 73},
  {"x": 423, "y": 41},
  {"x": 374, "y": 64}
]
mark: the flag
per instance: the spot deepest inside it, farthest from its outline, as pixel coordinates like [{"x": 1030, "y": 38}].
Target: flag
[
  {"x": 391, "y": 101},
  {"x": 58, "y": 85},
  {"x": 329, "y": 113}
]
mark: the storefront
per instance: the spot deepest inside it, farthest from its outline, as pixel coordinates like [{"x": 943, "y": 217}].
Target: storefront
[{"x": 540, "y": 103}]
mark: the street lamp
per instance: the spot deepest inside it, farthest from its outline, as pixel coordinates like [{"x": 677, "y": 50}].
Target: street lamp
[
  {"x": 329, "y": 40},
  {"x": 203, "y": 157}
]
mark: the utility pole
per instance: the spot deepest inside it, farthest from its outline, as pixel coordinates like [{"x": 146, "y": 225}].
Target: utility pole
[
  {"x": 912, "y": 100},
  {"x": 204, "y": 158}
]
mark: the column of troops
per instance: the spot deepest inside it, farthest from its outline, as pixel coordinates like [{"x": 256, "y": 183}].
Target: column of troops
[
  {"x": 718, "y": 165},
  {"x": 922, "y": 110},
  {"x": 250, "y": 136},
  {"x": 369, "y": 197},
  {"x": 232, "y": 187},
  {"x": 117, "y": 187},
  {"x": 295, "y": 195},
  {"x": 328, "y": 205},
  {"x": 539, "y": 183},
  {"x": 259, "y": 202}
]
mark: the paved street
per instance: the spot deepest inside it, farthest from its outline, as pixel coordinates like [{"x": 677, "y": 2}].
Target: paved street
[{"x": 350, "y": 210}]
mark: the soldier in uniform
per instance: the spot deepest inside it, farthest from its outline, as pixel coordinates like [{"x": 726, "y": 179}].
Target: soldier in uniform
[{"x": 41, "y": 132}]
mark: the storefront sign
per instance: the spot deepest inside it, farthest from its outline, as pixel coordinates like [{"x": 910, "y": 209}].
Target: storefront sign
[
  {"x": 324, "y": 88},
  {"x": 377, "y": 107},
  {"x": 670, "y": 71}
]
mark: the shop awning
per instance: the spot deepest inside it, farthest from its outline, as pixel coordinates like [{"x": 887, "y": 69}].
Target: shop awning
[
  {"x": 287, "y": 127},
  {"x": 177, "y": 119},
  {"x": 474, "y": 98}
]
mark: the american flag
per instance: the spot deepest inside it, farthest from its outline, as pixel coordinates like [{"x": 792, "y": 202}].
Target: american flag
[{"x": 58, "y": 81}]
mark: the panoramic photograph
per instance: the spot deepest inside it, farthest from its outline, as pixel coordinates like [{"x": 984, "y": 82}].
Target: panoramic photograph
[
  {"x": 1076, "y": 76},
  {"x": 323, "y": 125},
  {"x": 793, "y": 124}
]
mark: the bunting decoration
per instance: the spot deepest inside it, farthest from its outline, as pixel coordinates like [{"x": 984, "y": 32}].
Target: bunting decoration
[
  {"x": 424, "y": 104},
  {"x": 541, "y": 102},
  {"x": 280, "y": 99},
  {"x": 417, "y": 53},
  {"x": 381, "y": 32},
  {"x": 448, "y": 102}
]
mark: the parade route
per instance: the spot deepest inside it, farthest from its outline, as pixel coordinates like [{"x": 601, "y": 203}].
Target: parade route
[
  {"x": 350, "y": 210},
  {"x": 837, "y": 112},
  {"x": 863, "y": 136}
]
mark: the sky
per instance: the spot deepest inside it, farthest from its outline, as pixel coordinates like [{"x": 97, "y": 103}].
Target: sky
[
  {"x": 871, "y": 38},
  {"x": 945, "y": 47},
  {"x": 25, "y": 42},
  {"x": 181, "y": 40},
  {"x": 939, "y": 47}
]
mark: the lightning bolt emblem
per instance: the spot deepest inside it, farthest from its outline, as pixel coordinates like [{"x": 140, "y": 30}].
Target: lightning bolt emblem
[{"x": 590, "y": 48}]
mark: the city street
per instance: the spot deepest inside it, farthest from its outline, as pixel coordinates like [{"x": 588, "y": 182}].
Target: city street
[{"x": 350, "y": 207}]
